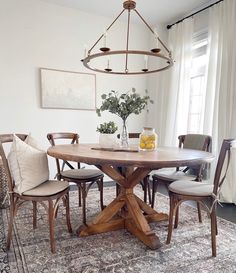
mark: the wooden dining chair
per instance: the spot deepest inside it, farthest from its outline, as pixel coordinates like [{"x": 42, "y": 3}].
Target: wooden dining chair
[
  {"x": 49, "y": 191},
  {"x": 145, "y": 183},
  {"x": 167, "y": 176},
  {"x": 205, "y": 193},
  {"x": 84, "y": 178}
]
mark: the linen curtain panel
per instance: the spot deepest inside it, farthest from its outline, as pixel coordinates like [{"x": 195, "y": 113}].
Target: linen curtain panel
[
  {"x": 177, "y": 81},
  {"x": 220, "y": 104}
]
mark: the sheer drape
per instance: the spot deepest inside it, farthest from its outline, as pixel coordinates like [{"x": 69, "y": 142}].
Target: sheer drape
[
  {"x": 177, "y": 82},
  {"x": 220, "y": 106},
  {"x": 220, "y": 103}
]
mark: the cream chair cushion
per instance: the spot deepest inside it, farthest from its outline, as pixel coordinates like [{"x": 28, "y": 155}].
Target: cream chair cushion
[
  {"x": 170, "y": 174},
  {"x": 191, "y": 188},
  {"x": 48, "y": 188},
  {"x": 28, "y": 166},
  {"x": 81, "y": 173}
]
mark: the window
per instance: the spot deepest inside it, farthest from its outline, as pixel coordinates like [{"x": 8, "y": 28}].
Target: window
[{"x": 197, "y": 81}]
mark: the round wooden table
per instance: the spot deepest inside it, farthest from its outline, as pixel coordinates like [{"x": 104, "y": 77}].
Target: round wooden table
[{"x": 127, "y": 211}]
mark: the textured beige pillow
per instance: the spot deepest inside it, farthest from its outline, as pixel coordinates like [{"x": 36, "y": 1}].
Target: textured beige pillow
[
  {"x": 33, "y": 142},
  {"x": 29, "y": 166}
]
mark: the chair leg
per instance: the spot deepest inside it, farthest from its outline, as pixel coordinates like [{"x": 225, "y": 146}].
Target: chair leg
[
  {"x": 199, "y": 212},
  {"x": 213, "y": 231},
  {"x": 10, "y": 223},
  {"x": 57, "y": 208},
  {"x": 171, "y": 216},
  {"x": 84, "y": 195},
  {"x": 149, "y": 191},
  {"x": 51, "y": 225},
  {"x": 216, "y": 224},
  {"x": 34, "y": 214},
  {"x": 100, "y": 187},
  {"x": 176, "y": 217},
  {"x": 144, "y": 186},
  {"x": 67, "y": 205},
  {"x": 79, "y": 194},
  {"x": 154, "y": 189}
]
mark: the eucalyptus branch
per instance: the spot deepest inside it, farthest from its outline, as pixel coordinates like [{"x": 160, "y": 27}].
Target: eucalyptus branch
[{"x": 123, "y": 105}]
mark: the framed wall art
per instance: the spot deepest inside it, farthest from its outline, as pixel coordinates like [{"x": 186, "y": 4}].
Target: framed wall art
[{"x": 67, "y": 89}]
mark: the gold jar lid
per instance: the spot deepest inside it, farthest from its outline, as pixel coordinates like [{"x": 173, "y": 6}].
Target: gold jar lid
[{"x": 148, "y": 128}]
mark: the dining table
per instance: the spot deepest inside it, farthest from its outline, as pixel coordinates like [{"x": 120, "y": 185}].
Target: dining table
[{"x": 128, "y": 167}]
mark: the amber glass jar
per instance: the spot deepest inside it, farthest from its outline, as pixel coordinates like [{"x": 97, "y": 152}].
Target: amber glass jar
[{"x": 148, "y": 139}]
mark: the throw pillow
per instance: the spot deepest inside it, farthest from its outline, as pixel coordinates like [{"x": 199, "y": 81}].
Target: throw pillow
[{"x": 29, "y": 166}]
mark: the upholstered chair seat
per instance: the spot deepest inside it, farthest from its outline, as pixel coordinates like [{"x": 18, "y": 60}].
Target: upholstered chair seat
[
  {"x": 81, "y": 173},
  {"x": 170, "y": 175},
  {"x": 191, "y": 188},
  {"x": 49, "y": 187}
]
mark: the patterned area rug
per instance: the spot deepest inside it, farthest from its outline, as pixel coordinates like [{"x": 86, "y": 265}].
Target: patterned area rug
[{"x": 118, "y": 251}]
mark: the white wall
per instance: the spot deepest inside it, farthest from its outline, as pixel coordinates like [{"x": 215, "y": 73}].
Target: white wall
[{"x": 36, "y": 34}]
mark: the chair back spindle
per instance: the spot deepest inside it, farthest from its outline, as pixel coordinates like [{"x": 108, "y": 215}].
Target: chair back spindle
[
  {"x": 52, "y": 137},
  {"x": 224, "y": 152}
]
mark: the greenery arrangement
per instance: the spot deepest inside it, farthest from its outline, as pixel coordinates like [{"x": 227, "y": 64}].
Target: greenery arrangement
[
  {"x": 107, "y": 128},
  {"x": 123, "y": 105}
]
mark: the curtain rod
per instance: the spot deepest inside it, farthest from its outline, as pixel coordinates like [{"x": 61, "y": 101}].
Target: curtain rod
[{"x": 169, "y": 26}]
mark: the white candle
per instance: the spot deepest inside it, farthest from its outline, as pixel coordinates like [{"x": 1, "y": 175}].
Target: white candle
[
  {"x": 85, "y": 51},
  {"x": 146, "y": 61},
  {"x": 156, "y": 36},
  {"x": 105, "y": 39}
]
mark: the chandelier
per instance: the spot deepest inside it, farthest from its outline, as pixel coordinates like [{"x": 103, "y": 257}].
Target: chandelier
[{"x": 153, "y": 60}]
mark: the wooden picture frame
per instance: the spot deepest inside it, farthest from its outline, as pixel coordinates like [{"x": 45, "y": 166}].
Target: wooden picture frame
[{"x": 67, "y": 89}]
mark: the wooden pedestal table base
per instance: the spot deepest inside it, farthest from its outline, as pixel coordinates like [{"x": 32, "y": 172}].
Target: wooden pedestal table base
[{"x": 127, "y": 211}]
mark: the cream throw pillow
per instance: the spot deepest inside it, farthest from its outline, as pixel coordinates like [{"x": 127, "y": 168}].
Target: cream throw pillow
[
  {"x": 28, "y": 165},
  {"x": 33, "y": 143}
]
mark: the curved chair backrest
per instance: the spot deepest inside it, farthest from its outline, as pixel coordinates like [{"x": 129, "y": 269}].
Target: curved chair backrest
[
  {"x": 7, "y": 138},
  {"x": 224, "y": 152},
  {"x": 70, "y": 136},
  {"x": 197, "y": 142},
  {"x": 67, "y": 136}
]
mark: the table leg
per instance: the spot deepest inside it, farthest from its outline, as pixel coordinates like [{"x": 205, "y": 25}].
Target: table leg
[{"x": 135, "y": 220}]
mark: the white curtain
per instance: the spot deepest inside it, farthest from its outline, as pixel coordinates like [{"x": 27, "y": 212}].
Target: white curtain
[
  {"x": 177, "y": 82},
  {"x": 220, "y": 106}
]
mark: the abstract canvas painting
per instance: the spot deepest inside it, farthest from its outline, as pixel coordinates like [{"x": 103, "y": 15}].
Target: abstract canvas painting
[{"x": 68, "y": 90}]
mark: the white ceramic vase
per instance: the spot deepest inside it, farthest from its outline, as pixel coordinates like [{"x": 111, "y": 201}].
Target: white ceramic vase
[{"x": 107, "y": 140}]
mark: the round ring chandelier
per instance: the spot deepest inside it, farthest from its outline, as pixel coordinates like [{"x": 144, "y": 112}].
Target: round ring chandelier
[{"x": 163, "y": 54}]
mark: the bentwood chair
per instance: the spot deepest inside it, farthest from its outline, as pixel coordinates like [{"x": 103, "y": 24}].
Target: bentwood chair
[
  {"x": 49, "y": 191},
  {"x": 145, "y": 182},
  {"x": 82, "y": 177},
  {"x": 167, "y": 176},
  {"x": 205, "y": 193}
]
